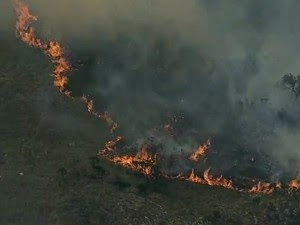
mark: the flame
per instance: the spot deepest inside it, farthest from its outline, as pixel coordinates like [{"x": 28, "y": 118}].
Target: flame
[
  {"x": 110, "y": 146},
  {"x": 55, "y": 50},
  {"x": 294, "y": 184},
  {"x": 192, "y": 177},
  {"x": 141, "y": 162},
  {"x": 262, "y": 188},
  {"x": 52, "y": 49},
  {"x": 56, "y": 53},
  {"x": 105, "y": 116},
  {"x": 209, "y": 179},
  {"x": 200, "y": 151},
  {"x": 62, "y": 66},
  {"x": 217, "y": 181},
  {"x": 23, "y": 29}
]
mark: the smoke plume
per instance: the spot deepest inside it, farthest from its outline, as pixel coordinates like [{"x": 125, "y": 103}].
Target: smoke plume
[{"x": 180, "y": 72}]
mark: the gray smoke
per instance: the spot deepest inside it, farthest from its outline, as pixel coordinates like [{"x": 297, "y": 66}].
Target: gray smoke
[{"x": 208, "y": 67}]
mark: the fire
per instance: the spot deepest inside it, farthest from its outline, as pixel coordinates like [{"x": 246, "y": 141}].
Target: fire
[
  {"x": 141, "y": 162},
  {"x": 89, "y": 104},
  {"x": 262, "y": 188},
  {"x": 52, "y": 49},
  {"x": 62, "y": 67},
  {"x": 105, "y": 116},
  {"x": 110, "y": 146},
  {"x": 209, "y": 180},
  {"x": 200, "y": 151},
  {"x": 24, "y": 19},
  {"x": 294, "y": 184},
  {"x": 55, "y": 50},
  {"x": 217, "y": 181},
  {"x": 194, "y": 178}
]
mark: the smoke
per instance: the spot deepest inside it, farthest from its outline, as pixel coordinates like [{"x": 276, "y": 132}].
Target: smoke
[
  {"x": 6, "y": 18},
  {"x": 207, "y": 67}
]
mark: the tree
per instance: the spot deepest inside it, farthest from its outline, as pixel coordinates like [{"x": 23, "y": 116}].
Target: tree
[{"x": 292, "y": 83}]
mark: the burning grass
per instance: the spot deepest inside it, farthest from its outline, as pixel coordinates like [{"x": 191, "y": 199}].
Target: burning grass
[{"x": 143, "y": 161}]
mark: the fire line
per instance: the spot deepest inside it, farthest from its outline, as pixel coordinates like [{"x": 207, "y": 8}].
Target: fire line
[{"x": 143, "y": 161}]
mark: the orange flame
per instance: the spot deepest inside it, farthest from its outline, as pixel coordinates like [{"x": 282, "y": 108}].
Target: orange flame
[
  {"x": 105, "y": 116},
  {"x": 294, "y": 184},
  {"x": 209, "y": 180},
  {"x": 52, "y": 49},
  {"x": 216, "y": 181},
  {"x": 200, "y": 151},
  {"x": 24, "y": 19},
  {"x": 110, "y": 146},
  {"x": 141, "y": 162},
  {"x": 262, "y": 188},
  {"x": 194, "y": 178}
]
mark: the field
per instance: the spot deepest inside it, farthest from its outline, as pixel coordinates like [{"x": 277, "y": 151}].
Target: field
[{"x": 50, "y": 174}]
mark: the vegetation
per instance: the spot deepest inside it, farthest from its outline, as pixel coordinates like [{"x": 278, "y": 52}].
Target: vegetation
[{"x": 49, "y": 173}]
